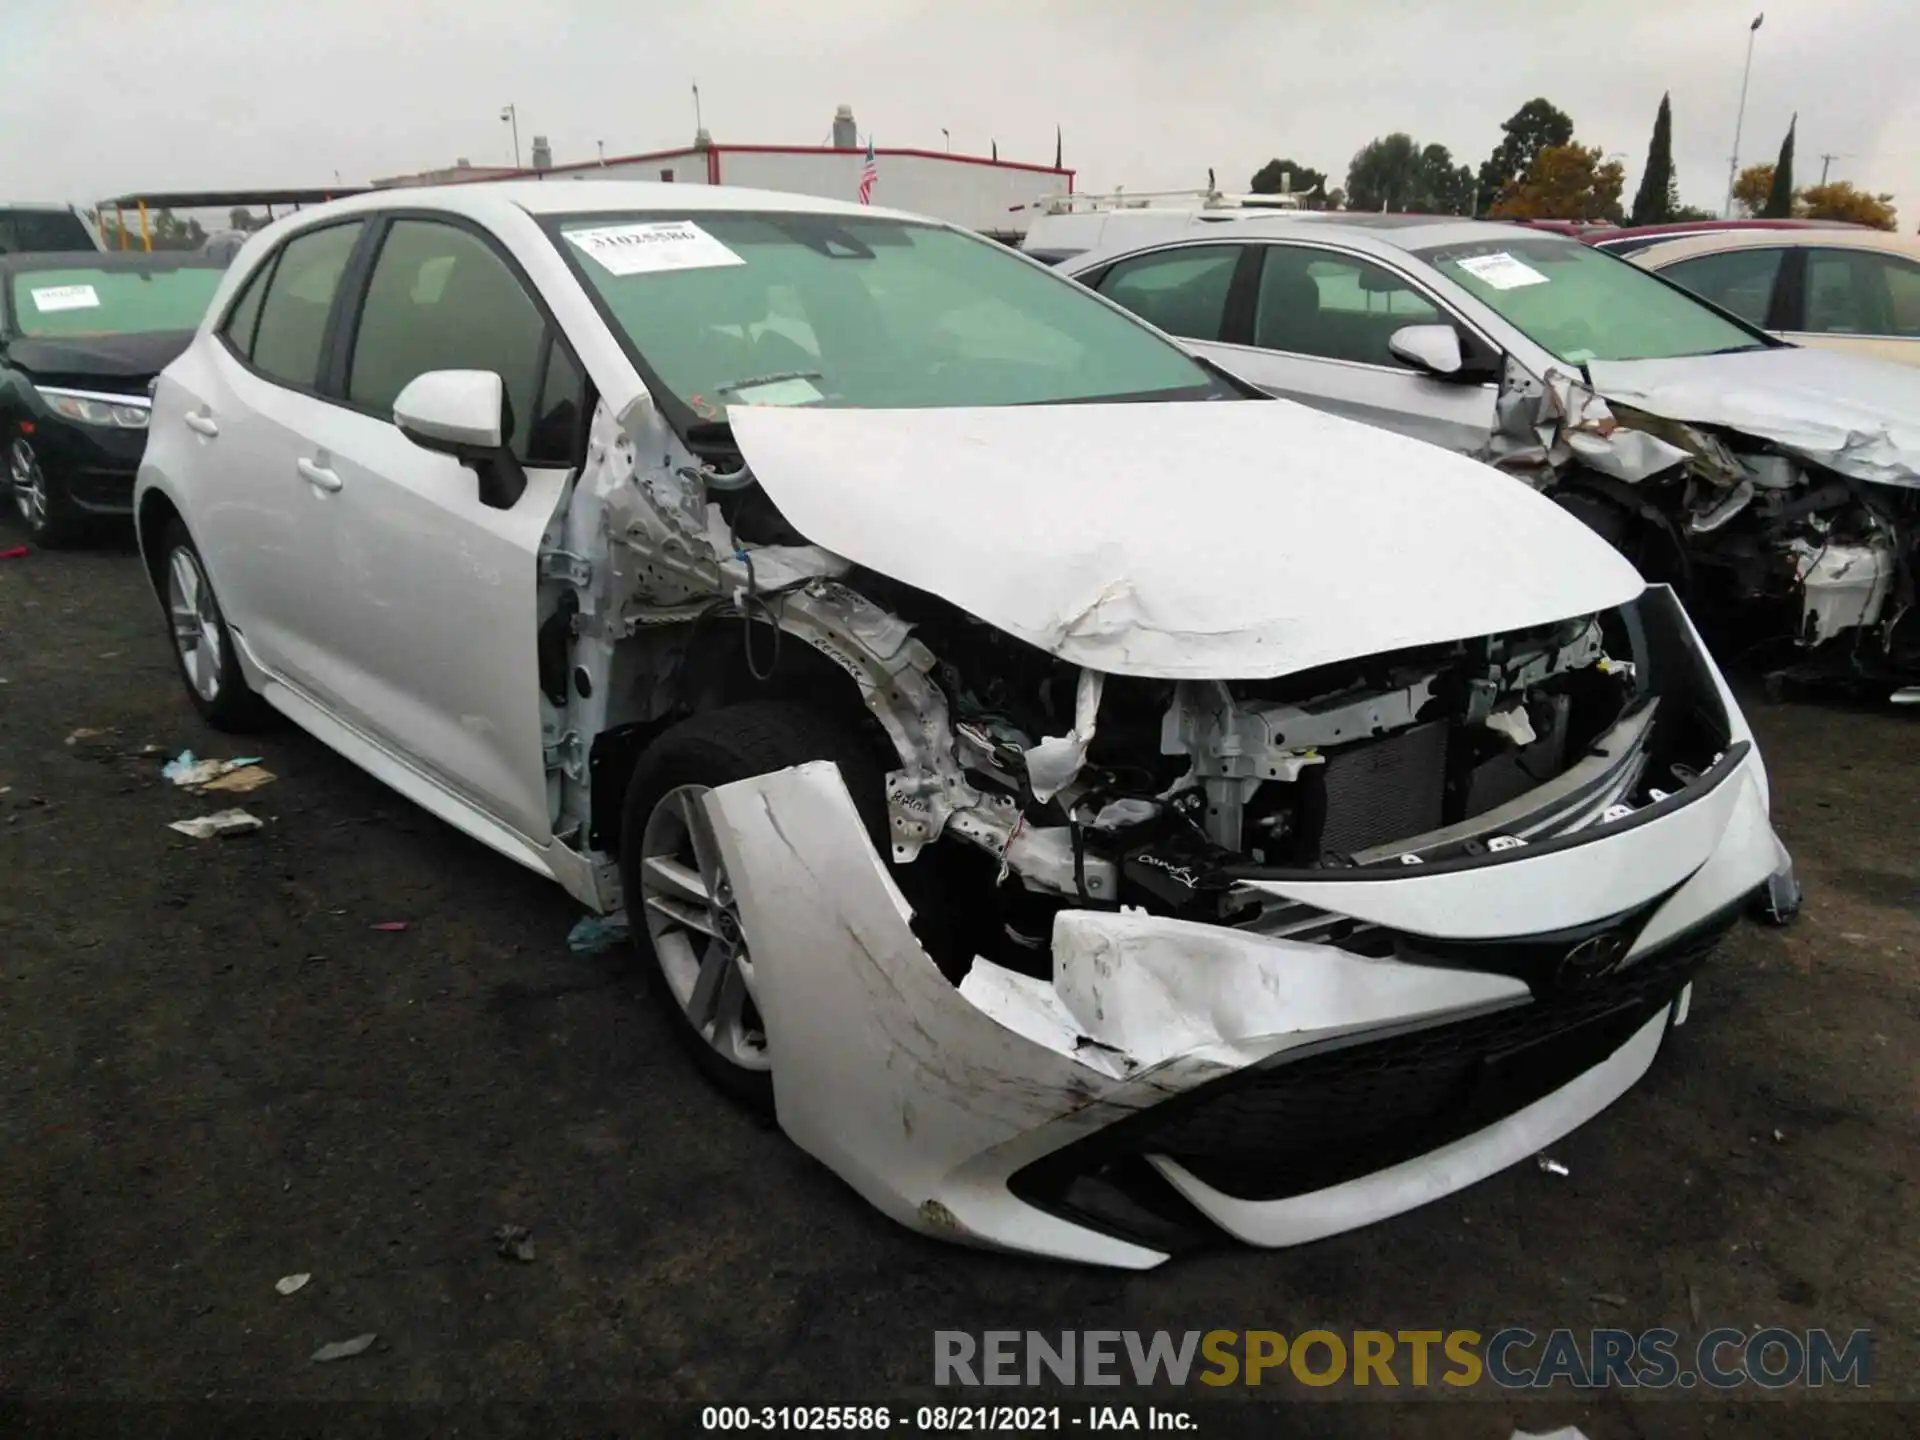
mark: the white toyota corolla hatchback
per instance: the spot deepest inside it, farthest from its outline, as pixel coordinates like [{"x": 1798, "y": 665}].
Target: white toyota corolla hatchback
[{"x": 1095, "y": 805}]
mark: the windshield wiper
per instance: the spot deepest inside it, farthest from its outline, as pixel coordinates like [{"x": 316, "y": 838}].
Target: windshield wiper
[{"x": 774, "y": 379}]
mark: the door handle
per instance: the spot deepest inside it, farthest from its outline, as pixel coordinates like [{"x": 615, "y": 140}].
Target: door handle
[
  {"x": 316, "y": 475},
  {"x": 202, "y": 424}
]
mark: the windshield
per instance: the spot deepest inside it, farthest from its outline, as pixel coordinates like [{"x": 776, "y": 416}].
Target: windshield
[
  {"x": 1583, "y": 304},
  {"x": 859, "y": 312},
  {"x": 28, "y": 230},
  {"x": 91, "y": 301}
]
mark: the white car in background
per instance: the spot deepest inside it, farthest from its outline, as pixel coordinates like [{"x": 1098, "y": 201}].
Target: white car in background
[
  {"x": 1778, "y": 487},
  {"x": 1092, "y": 804},
  {"x": 1856, "y": 291}
]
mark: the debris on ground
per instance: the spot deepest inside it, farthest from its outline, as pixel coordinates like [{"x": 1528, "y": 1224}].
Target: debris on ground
[
  {"x": 1607, "y": 1297},
  {"x": 1693, "y": 1303},
  {"x": 344, "y": 1349},
  {"x": 241, "y": 781},
  {"x": 1551, "y": 1166},
  {"x": 1779, "y": 1137},
  {"x": 86, "y": 733},
  {"x": 15, "y": 552},
  {"x": 287, "y": 1284},
  {"x": 1565, "y": 1432},
  {"x": 593, "y": 933},
  {"x": 390, "y": 926},
  {"x": 184, "y": 770},
  {"x": 221, "y": 823},
  {"x": 513, "y": 1242}
]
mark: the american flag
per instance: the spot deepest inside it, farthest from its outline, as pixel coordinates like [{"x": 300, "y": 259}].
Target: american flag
[{"x": 868, "y": 174}]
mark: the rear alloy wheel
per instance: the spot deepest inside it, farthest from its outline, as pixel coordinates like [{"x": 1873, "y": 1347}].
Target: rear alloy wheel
[
  {"x": 39, "y": 503},
  {"x": 202, "y": 644}
]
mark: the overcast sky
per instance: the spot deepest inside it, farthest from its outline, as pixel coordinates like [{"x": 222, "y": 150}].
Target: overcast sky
[{"x": 103, "y": 96}]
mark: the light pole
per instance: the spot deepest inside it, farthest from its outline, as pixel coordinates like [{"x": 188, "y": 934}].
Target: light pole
[
  {"x": 1733, "y": 162},
  {"x": 601, "y": 145},
  {"x": 512, "y": 117},
  {"x": 948, "y": 138}
]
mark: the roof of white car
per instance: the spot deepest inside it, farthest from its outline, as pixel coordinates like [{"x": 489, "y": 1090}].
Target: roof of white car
[
  {"x": 1378, "y": 233},
  {"x": 1712, "y": 242},
  {"x": 592, "y": 197}
]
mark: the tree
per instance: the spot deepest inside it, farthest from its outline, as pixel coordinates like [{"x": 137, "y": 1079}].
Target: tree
[
  {"x": 1336, "y": 199},
  {"x": 1655, "y": 201},
  {"x": 1840, "y": 201},
  {"x": 1535, "y": 126},
  {"x": 1779, "y": 202},
  {"x": 1751, "y": 188},
  {"x": 1383, "y": 173},
  {"x": 1305, "y": 180},
  {"x": 1565, "y": 182},
  {"x": 1440, "y": 186},
  {"x": 1691, "y": 212}
]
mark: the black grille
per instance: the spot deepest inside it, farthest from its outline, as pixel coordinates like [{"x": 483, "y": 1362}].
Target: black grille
[{"x": 1332, "y": 1114}]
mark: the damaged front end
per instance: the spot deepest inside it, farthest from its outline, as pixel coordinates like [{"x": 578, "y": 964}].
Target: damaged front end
[
  {"x": 1131, "y": 955},
  {"x": 1796, "y": 545}
]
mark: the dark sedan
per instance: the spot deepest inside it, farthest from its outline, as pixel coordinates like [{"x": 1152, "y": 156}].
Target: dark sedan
[{"x": 81, "y": 338}]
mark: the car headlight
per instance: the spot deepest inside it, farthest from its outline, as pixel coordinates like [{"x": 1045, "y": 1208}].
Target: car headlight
[{"x": 128, "y": 413}]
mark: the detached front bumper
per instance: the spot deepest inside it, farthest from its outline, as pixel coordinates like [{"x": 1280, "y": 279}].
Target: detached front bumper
[{"x": 1286, "y": 1091}]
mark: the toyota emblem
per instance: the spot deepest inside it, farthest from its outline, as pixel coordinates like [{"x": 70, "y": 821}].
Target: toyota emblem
[{"x": 1593, "y": 959}]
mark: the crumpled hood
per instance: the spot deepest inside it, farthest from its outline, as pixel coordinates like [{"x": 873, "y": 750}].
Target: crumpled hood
[
  {"x": 1857, "y": 416},
  {"x": 1221, "y": 539}
]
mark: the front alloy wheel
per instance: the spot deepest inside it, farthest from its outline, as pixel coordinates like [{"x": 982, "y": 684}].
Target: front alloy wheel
[
  {"x": 694, "y": 924},
  {"x": 33, "y": 497}
]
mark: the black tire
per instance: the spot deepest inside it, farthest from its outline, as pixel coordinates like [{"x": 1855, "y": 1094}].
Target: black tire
[
  {"x": 232, "y": 706},
  {"x": 51, "y": 521},
  {"x": 717, "y": 749}
]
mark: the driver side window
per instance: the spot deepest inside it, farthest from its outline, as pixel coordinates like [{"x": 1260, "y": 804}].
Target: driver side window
[
  {"x": 1335, "y": 306},
  {"x": 440, "y": 298}
]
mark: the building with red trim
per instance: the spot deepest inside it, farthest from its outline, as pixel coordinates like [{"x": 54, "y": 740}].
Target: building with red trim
[{"x": 993, "y": 196}]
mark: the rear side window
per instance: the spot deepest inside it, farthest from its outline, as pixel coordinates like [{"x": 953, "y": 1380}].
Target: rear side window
[
  {"x": 440, "y": 298},
  {"x": 1183, "y": 292},
  {"x": 244, "y": 317},
  {"x": 292, "y": 325},
  {"x": 1856, "y": 292},
  {"x": 1736, "y": 280}
]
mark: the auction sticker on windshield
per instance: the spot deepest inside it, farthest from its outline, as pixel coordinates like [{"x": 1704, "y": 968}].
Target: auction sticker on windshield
[
  {"x": 65, "y": 297},
  {"x": 1501, "y": 271},
  {"x": 643, "y": 249}
]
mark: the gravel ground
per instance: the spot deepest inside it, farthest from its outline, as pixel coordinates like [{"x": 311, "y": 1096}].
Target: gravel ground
[{"x": 215, "y": 1071}]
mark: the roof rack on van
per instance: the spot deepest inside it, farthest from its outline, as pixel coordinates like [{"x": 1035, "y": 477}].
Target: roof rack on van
[{"x": 1203, "y": 199}]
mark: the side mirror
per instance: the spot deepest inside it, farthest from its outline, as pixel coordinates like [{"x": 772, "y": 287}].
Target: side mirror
[
  {"x": 1432, "y": 348},
  {"x": 464, "y": 413}
]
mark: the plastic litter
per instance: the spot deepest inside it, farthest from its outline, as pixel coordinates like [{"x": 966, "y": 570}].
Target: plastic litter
[
  {"x": 1565, "y": 1432},
  {"x": 1551, "y": 1166},
  {"x": 345, "y": 1349},
  {"x": 186, "y": 771},
  {"x": 390, "y": 926},
  {"x": 86, "y": 733},
  {"x": 513, "y": 1242},
  {"x": 287, "y": 1284},
  {"x": 1607, "y": 1297},
  {"x": 593, "y": 933},
  {"x": 221, "y": 822},
  {"x": 15, "y": 552}
]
